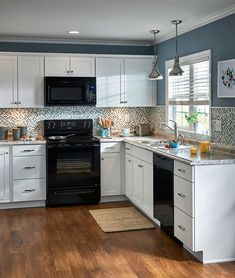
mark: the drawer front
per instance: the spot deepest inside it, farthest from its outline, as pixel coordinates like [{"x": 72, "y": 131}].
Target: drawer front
[
  {"x": 28, "y": 150},
  {"x": 184, "y": 171},
  {"x": 112, "y": 147},
  {"x": 29, "y": 190},
  {"x": 183, "y": 195},
  {"x": 184, "y": 228},
  {"x": 128, "y": 148},
  {"x": 31, "y": 167},
  {"x": 142, "y": 154}
]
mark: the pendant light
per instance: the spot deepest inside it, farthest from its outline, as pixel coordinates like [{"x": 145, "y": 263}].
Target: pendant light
[
  {"x": 155, "y": 73},
  {"x": 176, "y": 70}
]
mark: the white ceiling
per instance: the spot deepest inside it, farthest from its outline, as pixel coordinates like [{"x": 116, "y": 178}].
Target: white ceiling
[{"x": 105, "y": 20}]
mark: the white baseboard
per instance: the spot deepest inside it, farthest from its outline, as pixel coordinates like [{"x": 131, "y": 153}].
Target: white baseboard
[
  {"x": 119, "y": 198},
  {"x": 23, "y": 205}
]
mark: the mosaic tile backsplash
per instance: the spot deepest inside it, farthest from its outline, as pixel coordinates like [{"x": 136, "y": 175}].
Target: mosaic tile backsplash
[{"x": 33, "y": 118}]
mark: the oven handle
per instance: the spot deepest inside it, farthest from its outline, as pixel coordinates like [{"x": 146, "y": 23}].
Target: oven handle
[
  {"x": 73, "y": 146},
  {"x": 74, "y": 192}
]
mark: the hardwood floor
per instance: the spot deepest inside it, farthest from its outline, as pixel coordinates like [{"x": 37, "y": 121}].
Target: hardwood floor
[{"x": 66, "y": 242}]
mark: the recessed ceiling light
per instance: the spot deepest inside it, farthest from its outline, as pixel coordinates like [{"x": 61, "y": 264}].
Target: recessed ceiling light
[{"x": 73, "y": 32}]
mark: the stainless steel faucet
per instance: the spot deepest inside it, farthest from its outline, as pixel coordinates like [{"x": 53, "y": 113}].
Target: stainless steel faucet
[{"x": 175, "y": 129}]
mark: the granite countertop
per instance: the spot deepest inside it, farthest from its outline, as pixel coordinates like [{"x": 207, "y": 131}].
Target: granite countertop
[
  {"x": 19, "y": 142},
  {"x": 215, "y": 157}
]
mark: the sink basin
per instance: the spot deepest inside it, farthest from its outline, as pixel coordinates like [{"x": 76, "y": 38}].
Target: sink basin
[{"x": 146, "y": 142}]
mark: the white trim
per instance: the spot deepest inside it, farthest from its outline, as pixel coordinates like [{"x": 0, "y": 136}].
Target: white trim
[
  {"x": 199, "y": 23},
  {"x": 31, "y": 204},
  {"x": 73, "y": 41},
  {"x": 185, "y": 59}
]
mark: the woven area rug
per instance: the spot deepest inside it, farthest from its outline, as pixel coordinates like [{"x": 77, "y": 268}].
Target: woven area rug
[{"x": 120, "y": 219}]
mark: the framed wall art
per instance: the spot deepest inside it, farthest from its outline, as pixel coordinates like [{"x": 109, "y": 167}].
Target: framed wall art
[{"x": 226, "y": 79}]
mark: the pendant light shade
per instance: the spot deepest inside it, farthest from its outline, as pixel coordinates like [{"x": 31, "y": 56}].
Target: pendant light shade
[
  {"x": 176, "y": 70},
  {"x": 155, "y": 73}
]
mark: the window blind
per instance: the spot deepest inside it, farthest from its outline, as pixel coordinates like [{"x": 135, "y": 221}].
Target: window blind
[{"x": 192, "y": 88}]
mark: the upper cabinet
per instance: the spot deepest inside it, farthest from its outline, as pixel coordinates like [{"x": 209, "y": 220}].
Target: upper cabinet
[
  {"x": 124, "y": 82},
  {"x": 21, "y": 81},
  {"x": 69, "y": 66}
]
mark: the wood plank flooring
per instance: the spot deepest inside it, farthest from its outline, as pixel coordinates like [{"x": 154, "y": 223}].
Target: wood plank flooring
[{"x": 66, "y": 242}]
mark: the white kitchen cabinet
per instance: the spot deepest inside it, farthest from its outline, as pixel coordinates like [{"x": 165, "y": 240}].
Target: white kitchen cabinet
[
  {"x": 4, "y": 175},
  {"x": 138, "y": 182},
  {"x": 110, "y": 169},
  {"x": 148, "y": 189},
  {"x": 8, "y": 81},
  {"x": 128, "y": 176},
  {"x": 69, "y": 66},
  {"x": 21, "y": 81},
  {"x": 110, "y": 82},
  {"x": 30, "y": 81},
  {"x": 139, "y": 90},
  {"x": 124, "y": 82}
]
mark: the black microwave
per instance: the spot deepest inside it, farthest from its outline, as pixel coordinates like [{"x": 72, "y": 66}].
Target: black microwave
[{"x": 69, "y": 91}]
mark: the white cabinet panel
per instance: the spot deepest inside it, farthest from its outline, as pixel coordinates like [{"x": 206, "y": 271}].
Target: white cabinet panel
[
  {"x": 8, "y": 81},
  {"x": 4, "y": 175},
  {"x": 57, "y": 66},
  {"x": 142, "y": 154},
  {"x": 128, "y": 176},
  {"x": 112, "y": 147},
  {"x": 184, "y": 171},
  {"x": 29, "y": 190},
  {"x": 82, "y": 66},
  {"x": 138, "y": 182},
  {"x": 109, "y": 82},
  {"x": 30, "y": 81},
  {"x": 110, "y": 174},
  {"x": 28, "y": 150},
  {"x": 140, "y": 91},
  {"x": 148, "y": 189},
  {"x": 30, "y": 167}
]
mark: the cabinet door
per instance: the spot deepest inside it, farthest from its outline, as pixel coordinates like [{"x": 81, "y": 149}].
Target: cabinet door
[
  {"x": 148, "y": 189},
  {"x": 128, "y": 176},
  {"x": 110, "y": 82},
  {"x": 82, "y": 66},
  {"x": 138, "y": 182},
  {"x": 138, "y": 89},
  {"x": 30, "y": 81},
  {"x": 8, "y": 81},
  {"x": 57, "y": 66},
  {"x": 4, "y": 174},
  {"x": 110, "y": 174}
]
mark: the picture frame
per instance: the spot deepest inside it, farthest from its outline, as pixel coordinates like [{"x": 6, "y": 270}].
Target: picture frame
[{"x": 226, "y": 79}]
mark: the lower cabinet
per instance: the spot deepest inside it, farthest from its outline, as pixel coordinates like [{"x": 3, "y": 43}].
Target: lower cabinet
[
  {"x": 110, "y": 169},
  {"x": 4, "y": 175},
  {"x": 139, "y": 179}
]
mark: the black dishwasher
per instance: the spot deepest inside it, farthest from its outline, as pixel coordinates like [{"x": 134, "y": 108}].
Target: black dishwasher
[{"x": 163, "y": 192}]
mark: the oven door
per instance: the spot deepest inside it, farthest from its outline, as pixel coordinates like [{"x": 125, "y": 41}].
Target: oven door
[{"x": 73, "y": 165}]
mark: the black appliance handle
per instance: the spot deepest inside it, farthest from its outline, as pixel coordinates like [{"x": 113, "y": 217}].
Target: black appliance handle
[
  {"x": 54, "y": 146},
  {"x": 74, "y": 192}
]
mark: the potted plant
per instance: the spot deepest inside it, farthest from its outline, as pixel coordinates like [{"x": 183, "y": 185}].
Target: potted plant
[{"x": 193, "y": 119}]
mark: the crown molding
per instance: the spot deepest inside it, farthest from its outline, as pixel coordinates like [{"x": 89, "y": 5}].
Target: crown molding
[
  {"x": 199, "y": 23},
  {"x": 73, "y": 41}
]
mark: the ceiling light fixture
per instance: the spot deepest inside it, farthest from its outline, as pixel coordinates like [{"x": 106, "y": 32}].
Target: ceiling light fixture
[
  {"x": 176, "y": 70},
  {"x": 155, "y": 73},
  {"x": 73, "y": 32}
]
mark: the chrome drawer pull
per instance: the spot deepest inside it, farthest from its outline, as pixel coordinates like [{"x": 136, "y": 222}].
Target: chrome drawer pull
[
  {"x": 129, "y": 160},
  {"x": 182, "y": 228},
  {"x": 27, "y": 151},
  {"x": 109, "y": 148},
  {"x": 127, "y": 149},
  {"x": 181, "y": 170},
  {"x": 29, "y": 167},
  {"x": 181, "y": 195},
  {"x": 29, "y": 190},
  {"x": 140, "y": 166}
]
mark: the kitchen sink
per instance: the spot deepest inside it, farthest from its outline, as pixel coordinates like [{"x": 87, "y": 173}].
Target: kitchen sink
[{"x": 160, "y": 144}]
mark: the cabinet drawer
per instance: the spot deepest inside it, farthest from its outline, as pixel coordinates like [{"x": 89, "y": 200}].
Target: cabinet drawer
[
  {"x": 184, "y": 228},
  {"x": 184, "y": 171},
  {"x": 31, "y": 167},
  {"x": 112, "y": 147},
  {"x": 183, "y": 195},
  {"x": 128, "y": 148},
  {"x": 29, "y": 190},
  {"x": 27, "y": 150},
  {"x": 142, "y": 154}
]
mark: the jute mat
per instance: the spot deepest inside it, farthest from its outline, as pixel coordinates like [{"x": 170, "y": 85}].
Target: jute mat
[{"x": 120, "y": 219}]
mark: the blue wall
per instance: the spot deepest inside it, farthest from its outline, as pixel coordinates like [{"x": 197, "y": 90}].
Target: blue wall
[
  {"x": 75, "y": 48},
  {"x": 217, "y": 36}
]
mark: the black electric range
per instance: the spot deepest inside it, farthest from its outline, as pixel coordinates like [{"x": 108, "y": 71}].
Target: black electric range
[{"x": 73, "y": 162}]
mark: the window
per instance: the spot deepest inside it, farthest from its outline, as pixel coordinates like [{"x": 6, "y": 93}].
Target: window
[{"x": 188, "y": 96}]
